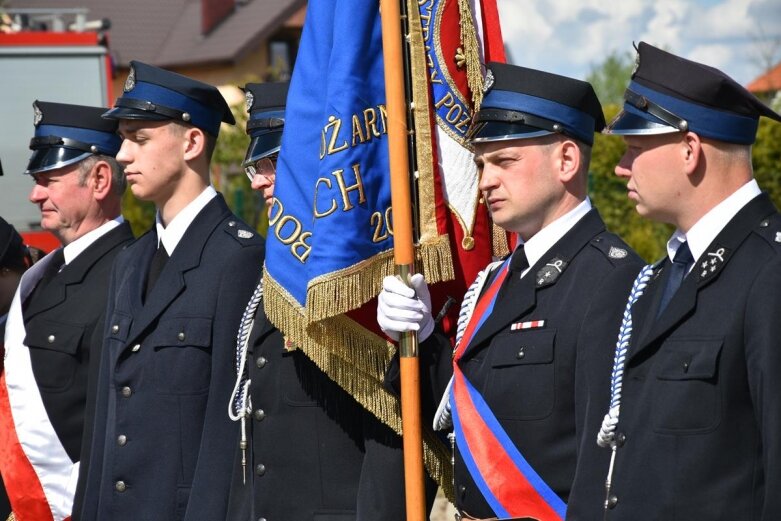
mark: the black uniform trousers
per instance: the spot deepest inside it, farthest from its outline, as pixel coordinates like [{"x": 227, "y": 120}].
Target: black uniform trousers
[
  {"x": 700, "y": 416},
  {"x": 165, "y": 445},
  {"x": 535, "y": 380},
  {"x": 315, "y": 453}
]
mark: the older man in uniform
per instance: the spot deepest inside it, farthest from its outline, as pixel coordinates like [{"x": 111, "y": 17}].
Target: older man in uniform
[
  {"x": 534, "y": 322},
  {"x": 311, "y": 451},
  {"x": 695, "y": 426},
  {"x": 165, "y": 447},
  {"x": 53, "y": 336}
]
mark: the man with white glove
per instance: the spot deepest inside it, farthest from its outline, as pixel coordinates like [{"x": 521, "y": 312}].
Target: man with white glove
[
  {"x": 401, "y": 308},
  {"x": 533, "y": 326}
]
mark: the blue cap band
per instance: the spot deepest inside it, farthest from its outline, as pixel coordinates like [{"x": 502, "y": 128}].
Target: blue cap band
[
  {"x": 107, "y": 144},
  {"x": 201, "y": 116},
  {"x": 705, "y": 121},
  {"x": 575, "y": 122}
]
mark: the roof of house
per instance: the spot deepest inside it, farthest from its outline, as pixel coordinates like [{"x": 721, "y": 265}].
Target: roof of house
[
  {"x": 167, "y": 33},
  {"x": 768, "y": 82}
]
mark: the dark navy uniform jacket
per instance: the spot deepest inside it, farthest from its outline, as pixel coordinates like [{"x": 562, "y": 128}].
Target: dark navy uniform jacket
[
  {"x": 535, "y": 380},
  {"x": 315, "y": 453},
  {"x": 164, "y": 444},
  {"x": 701, "y": 406},
  {"x": 71, "y": 310}
]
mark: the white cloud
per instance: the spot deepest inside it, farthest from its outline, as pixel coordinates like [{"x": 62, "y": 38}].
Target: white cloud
[{"x": 569, "y": 36}]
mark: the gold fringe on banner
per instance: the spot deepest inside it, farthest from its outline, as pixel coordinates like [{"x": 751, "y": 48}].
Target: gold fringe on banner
[
  {"x": 474, "y": 68},
  {"x": 501, "y": 247},
  {"x": 344, "y": 290},
  {"x": 356, "y": 359}
]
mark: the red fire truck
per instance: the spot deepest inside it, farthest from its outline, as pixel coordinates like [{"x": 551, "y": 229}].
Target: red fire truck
[{"x": 50, "y": 55}]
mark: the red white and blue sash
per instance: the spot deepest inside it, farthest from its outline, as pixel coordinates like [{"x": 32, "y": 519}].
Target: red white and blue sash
[
  {"x": 508, "y": 483},
  {"x": 39, "y": 476}
]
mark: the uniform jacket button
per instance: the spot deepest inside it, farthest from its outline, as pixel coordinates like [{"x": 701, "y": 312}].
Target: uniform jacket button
[
  {"x": 259, "y": 414},
  {"x": 620, "y": 439},
  {"x": 261, "y": 362},
  {"x": 180, "y": 336},
  {"x": 261, "y": 519},
  {"x": 120, "y": 486},
  {"x": 126, "y": 392},
  {"x": 115, "y": 328},
  {"x": 51, "y": 339},
  {"x": 260, "y": 469},
  {"x": 612, "y": 501},
  {"x": 121, "y": 440}
]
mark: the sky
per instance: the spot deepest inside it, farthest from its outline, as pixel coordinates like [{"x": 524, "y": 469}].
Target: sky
[{"x": 569, "y": 37}]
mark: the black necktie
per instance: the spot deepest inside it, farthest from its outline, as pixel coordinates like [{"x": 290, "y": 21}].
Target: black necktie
[
  {"x": 518, "y": 264},
  {"x": 51, "y": 271},
  {"x": 155, "y": 268},
  {"x": 678, "y": 269}
]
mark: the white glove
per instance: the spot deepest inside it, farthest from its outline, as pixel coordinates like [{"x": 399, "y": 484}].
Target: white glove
[{"x": 399, "y": 310}]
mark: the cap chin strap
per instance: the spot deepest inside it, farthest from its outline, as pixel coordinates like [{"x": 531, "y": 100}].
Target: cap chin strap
[
  {"x": 642, "y": 103},
  {"x": 148, "y": 106}
]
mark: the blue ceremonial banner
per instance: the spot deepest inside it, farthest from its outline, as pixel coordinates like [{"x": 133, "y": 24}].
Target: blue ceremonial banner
[
  {"x": 332, "y": 205},
  {"x": 330, "y": 238}
]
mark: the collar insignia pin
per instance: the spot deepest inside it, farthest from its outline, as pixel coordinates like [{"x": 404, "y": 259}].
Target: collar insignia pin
[{"x": 616, "y": 253}]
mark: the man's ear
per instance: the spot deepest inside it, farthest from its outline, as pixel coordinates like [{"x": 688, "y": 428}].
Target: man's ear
[
  {"x": 691, "y": 152},
  {"x": 568, "y": 160},
  {"x": 195, "y": 143},
  {"x": 100, "y": 180}
]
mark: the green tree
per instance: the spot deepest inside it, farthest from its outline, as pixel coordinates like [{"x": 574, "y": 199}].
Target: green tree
[{"x": 610, "y": 77}]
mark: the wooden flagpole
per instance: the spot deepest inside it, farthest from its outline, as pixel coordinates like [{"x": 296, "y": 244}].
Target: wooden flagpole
[{"x": 398, "y": 145}]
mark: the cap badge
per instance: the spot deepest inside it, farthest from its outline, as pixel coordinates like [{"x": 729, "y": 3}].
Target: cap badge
[
  {"x": 130, "y": 82},
  {"x": 250, "y": 99},
  {"x": 488, "y": 82},
  {"x": 637, "y": 64},
  {"x": 549, "y": 273},
  {"x": 37, "y": 115},
  {"x": 616, "y": 253}
]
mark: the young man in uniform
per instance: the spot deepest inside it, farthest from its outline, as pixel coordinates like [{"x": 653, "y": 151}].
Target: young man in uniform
[
  {"x": 535, "y": 323},
  {"x": 54, "y": 332},
  {"x": 695, "y": 426},
  {"x": 164, "y": 445}
]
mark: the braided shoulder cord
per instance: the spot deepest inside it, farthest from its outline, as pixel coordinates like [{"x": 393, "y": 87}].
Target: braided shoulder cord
[
  {"x": 606, "y": 435},
  {"x": 443, "y": 419},
  {"x": 239, "y": 405}
]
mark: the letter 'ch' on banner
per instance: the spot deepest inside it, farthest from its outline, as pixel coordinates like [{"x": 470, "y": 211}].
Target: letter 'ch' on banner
[{"x": 330, "y": 237}]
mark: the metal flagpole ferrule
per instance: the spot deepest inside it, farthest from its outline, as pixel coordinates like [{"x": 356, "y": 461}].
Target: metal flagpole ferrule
[{"x": 408, "y": 341}]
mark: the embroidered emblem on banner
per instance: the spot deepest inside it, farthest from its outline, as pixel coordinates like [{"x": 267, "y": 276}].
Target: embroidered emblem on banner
[
  {"x": 532, "y": 324},
  {"x": 712, "y": 262}
]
